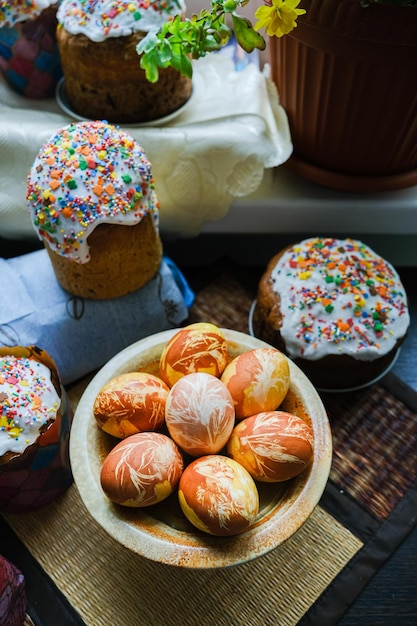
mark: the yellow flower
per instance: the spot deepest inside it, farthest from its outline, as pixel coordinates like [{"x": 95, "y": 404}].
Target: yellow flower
[{"x": 279, "y": 18}]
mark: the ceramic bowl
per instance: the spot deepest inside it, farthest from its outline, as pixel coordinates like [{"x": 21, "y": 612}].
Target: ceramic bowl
[{"x": 161, "y": 532}]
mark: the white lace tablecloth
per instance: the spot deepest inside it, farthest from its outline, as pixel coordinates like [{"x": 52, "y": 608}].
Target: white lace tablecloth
[{"x": 217, "y": 149}]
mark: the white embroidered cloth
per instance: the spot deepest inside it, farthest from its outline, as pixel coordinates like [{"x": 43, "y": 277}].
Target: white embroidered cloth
[{"x": 217, "y": 149}]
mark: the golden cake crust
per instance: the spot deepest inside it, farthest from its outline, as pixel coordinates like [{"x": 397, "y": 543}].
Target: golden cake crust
[
  {"x": 123, "y": 258},
  {"x": 267, "y": 316},
  {"x": 104, "y": 80}
]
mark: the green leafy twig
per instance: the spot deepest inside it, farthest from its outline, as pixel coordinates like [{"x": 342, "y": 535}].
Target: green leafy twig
[{"x": 179, "y": 41}]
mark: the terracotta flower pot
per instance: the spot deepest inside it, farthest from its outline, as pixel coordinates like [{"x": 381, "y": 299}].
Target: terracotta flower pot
[{"x": 347, "y": 80}]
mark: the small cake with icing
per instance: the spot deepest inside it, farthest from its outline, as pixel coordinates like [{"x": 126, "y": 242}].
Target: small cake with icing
[
  {"x": 35, "y": 420},
  {"x": 29, "y": 57},
  {"x": 97, "y": 40},
  {"x": 337, "y": 308},
  {"x": 92, "y": 201}
]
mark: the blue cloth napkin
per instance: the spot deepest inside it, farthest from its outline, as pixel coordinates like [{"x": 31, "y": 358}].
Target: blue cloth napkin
[{"x": 82, "y": 335}]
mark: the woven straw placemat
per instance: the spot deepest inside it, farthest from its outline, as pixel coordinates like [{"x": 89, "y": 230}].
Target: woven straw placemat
[
  {"x": 110, "y": 586},
  {"x": 374, "y": 442}
]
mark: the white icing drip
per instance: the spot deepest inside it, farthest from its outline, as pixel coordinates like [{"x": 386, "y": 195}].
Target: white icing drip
[
  {"x": 87, "y": 174},
  {"x": 100, "y": 19},
  {"x": 311, "y": 332},
  {"x": 28, "y": 400}
]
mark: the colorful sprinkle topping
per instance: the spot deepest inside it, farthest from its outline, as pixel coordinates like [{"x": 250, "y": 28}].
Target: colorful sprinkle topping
[
  {"x": 338, "y": 296},
  {"x": 88, "y": 173},
  {"x": 28, "y": 401},
  {"x": 99, "y": 19},
  {"x": 15, "y": 11}
]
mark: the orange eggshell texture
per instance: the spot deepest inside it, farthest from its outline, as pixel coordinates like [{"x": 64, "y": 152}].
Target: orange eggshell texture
[
  {"x": 141, "y": 470},
  {"x": 199, "y": 414},
  {"x": 131, "y": 403},
  {"x": 273, "y": 446},
  {"x": 218, "y": 496},
  {"x": 199, "y": 347},
  {"x": 258, "y": 380}
]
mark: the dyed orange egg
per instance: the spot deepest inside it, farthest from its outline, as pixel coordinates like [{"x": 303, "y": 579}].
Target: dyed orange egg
[
  {"x": 273, "y": 446},
  {"x": 199, "y": 414},
  {"x": 131, "y": 403},
  {"x": 258, "y": 380},
  {"x": 218, "y": 496},
  {"x": 141, "y": 470},
  {"x": 199, "y": 347}
]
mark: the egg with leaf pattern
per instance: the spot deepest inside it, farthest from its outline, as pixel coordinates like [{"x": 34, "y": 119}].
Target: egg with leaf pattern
[
  {"x": 199, "y": 347},
  {"x": 199, "y": 414},
  {"x": 130, "y": 403},
  {"x": 218, "y": 496},
  {"x": 273, "y": 446},
  {"x": 141, "y": 470},
  {"x": 258, "y": 380}
]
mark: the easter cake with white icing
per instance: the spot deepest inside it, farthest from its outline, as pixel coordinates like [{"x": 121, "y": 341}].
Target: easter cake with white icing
[
  {"x": 35, "y": 422},
  {"x": 29, "y": 403},
  {"x": 335, "y": 307},
  {"x": 97, "y": 40},
  {"x": 92, "y": 201}
]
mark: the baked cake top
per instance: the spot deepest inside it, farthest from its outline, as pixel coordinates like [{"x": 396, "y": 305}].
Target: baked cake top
[
  {"x": 88, "y": 173},
  {"x": 100, "y": 19},
  {"x": 339, "y": 297}
]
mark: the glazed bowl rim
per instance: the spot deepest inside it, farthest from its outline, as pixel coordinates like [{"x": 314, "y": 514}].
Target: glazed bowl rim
[{"x": 157, "y": 541}]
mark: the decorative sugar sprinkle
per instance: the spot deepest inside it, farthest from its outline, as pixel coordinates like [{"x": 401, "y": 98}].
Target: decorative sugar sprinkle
[
  {"x": 20, "y": 10},
  {"x": 88, "y": 173},
  {"x": 28, "y": 401},
  {"x": 336, "y": 292},
  {"x": 100, "y": 19}
]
